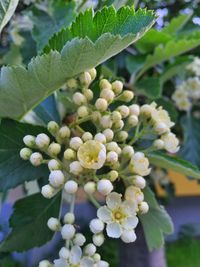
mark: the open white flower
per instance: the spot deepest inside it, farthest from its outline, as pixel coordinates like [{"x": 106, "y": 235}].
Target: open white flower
[
  {"x": 140, "y": 164},
  {"x": 161, "y": 115},
  {"x": 119, "y": 216},
  {"x": 171, "y": 143},
  {"x": 92, "y": 154}
]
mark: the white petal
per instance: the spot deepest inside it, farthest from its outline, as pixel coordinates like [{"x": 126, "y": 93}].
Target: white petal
[
  {"x": 113, "y": 200},
  {"x": 130, "y": 223},
  {"x": 114, "y": 230},
  {"x": 75, "y": 255},
  {"x": 61, "y": 263},
  {"x": 104, "y": 214},
  {"x": 128, "y": 236},
  {"x": 86, "y": 262},
  {"x": 129, "y": 207}
]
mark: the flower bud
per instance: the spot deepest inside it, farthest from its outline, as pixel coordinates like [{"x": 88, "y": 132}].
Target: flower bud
[
  {"x": 64, "y": 253},
  {"x": 25, "y": 153},
  {"x": 29, "y": 140},
  {"x": 112, "y": 157},
  {"x": 96, "y": 226},
  {"x": 36, "y": 159},
  {"x": 100, "y": 137},
  {"x": 134, "y": 110},
  {"x": 132, "y": 120},
  {"x": 139, "y": 181},
  {"x": 117, "y": 87},
  {"x": 48, "y": 191},
  {"x": 127, "y": 95},
  {"x": 124, "y": 111},
  {"x": 158, "y": 144},
  {"x": 160, "y": 128},
  {"x": 75, "y": 143},
  {"x": 107, "y": 94},
  {"x": 69, "y": 154},
  {"x": 87, "y": 136},
  {"x": 90, "y": 249},
  {"x": 118, "y": 125},
  {"x": 68, "y": 231},
  {"x": 146, "y": 110},
  {"x": 53, "y": 127},
  {"x": 105, "y": 84},
  {"x": 96, "y": 116},
  {"x": 128, "y": 151},
  {"x": 72, "y": 84},
  {"x": 102, "y": 264},
  {"x": 113, "y": 175},
  {"x": 76, "y": 168},
  {"x": 42, "y": 141},
  {"x": 54, "y": 149},
  {"x": 143, "y": 207},
  {"x": 101, "y": 104},
  {"x": 79, "y": 99},
  {"x": 116, "y": 116},
  {"x": 128, "y": 236},
  {"x": 93, "y": 73},
  {"x": 104, "y": 187},
  {"x": 108, "y": 134},
  {"x": 82, "y": 111},
  {"x": 90, "y": 188},
  {"x": 113, "y": 146},
  {"x": 56, "y": 178},
  {"x": 121, "y": 136},
  {"x": 88, "y": 94},
  {"x": 69, "y": 218},
  {"x": 71, "y": 187},
  {"x": 96, "y": 257},
  {"x": 85, "y": 79},
  {"x": 54, "y": 165},
  {"x": 45, "y": 263},
  {"x": 98, "y": 240},
  {"x": 64, "y": 132},
  {"x": 54, "y": 224},
  {"x": 79, "y": 239},
  {"x": 106, "y": 121}
]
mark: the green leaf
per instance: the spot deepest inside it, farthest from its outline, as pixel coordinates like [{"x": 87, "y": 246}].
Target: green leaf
[
  {"x": 134, "y": 63},
  {"x": 156, "y": 222},
  {"x": 150, "y": 87},
  {"x": 174, "y": 163},
  {"x": 191, "y": 149},
  {"x": 23, "y": 89},
  {"x": 29, "y": 223},
  {"x": 14, "y": 170},
  {"x": 7, "y": 9},
  {"x": 47, "y": 22},
  {"x": 176, "y": 24}
]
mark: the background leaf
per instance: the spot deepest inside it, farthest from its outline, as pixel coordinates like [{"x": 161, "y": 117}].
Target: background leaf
[
  {"x": 7, "y": 9},
  {"x": 150, "y": 87}
]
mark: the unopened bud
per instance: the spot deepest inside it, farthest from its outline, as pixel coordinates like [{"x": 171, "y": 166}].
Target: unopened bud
[
  {"x": 25, "y": 153},
  {"x": 117, "y": 87},
  {"x": 159, "y": 144},
  {"x": 113, "y": 175},
  {"x": 68, "y": 231},
  {"x": 93, "y": 73},
  {"x": 71, "y": 187},
  {"x": 143, "y": 207},
  {"x": 90, "y": 188},
  {"x": 79, "y": 99},
  {"x": 54, "y": 165},
  {"x": 85, "y": 79},
  {"x": 29, "y": 140},
  {"x": 36, "y": 159},
  {"x": 64, "y": 132},
  {"x": 54, "y": 224},
  {"x": 104, "y": 187},
  {"x": 54, "y": 149},
  {"x": 124, "y": 111},
  {"x": 108, "y": 134},
  {"x": 69, "y": 218},
  {"x": 42, "y": 141},
  {"x": 87, "y": 136},
  {"x": 48, "y": 191},
  {"x": 72, "y": 84},
  {"x": 105, "y": 84},
  {"x": 107, "y": 94},
  {"x": 82, "y": 111},
  {"x": 53, "y": 127},
  {"x": 98, "y": 240},
  {"x": 75, "y": 143},
  {"x": 132, "y": 120},
  {"x": 56, "y": 178},
  {"x": 70, "y": 154},
  {"x": 101, "y": 104}
]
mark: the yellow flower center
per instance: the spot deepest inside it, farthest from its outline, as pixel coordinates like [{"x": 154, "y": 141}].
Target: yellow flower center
[{"x": 119, "y": 215}]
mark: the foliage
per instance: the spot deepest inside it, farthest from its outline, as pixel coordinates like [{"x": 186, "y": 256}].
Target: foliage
[{"x": 7, "y": 9}]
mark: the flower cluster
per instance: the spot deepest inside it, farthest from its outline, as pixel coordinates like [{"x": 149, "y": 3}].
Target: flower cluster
[
  {"x": 188, "y": 91},
  {"x": 97, "y": 159}
]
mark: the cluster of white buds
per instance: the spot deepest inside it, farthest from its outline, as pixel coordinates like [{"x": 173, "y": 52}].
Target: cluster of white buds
[
  {"x": 187, "y": 93},
  {"x": 95, "y": 160}
]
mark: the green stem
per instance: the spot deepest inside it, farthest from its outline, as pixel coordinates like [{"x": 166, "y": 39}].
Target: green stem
[{"x": 94, "y": 201}]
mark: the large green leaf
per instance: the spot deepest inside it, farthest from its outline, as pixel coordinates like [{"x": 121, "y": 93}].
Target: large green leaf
[
  {"x": 174, "y": 163},
  {"x": 156, "y": 222},
  {"x": 191, "y": 148},
  {"x": 29, "y": 223},
  {"x": 7, "y": 9},
  {"x": 14, "y": 170},
  {"x": 23, "y": 89},
  {"x": 150, "y": 87}
]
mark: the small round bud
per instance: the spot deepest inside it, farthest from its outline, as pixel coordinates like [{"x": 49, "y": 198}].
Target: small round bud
[
  {"x": 71, "y": 187},
  {"x": 105, "y": 84},
  {"x": 100, "y": 137},
  {"x": 96, "y": 116},
  {"x": 88, "y": 94},
  {"x": 90, "y": 188},
  {"x": 48, "y": 191},
  {"x": 160, "y": 128},
  {"x": 64, "y": 253},
  {"x": 107, "y": 94},
  {"x": 45, "y": 263},
  {"x": 82, "y": 111},
  {"x": 101, "y": 104},
  {"x": 132, "y": 120},
  {"x": 128, "y": 151},
  {"x": 53, "y": 127},
  {"x": 79, "y": 99},
  {"x": 87, "y": 136},
  {"x": 127, "y": 96},
  {"x": 113, "y": 146},
  {"x": 75, "y": 143},
  {"x": 118, "y": 125},
  {"x": 139, "y": 181},
  {"x": 42, "y": 141},
  {"x": 93, "y": 73},
  {"x": 69, "y": 218},
  {"x": 79, "y": 239},
  {"x": 113, "y": 175},
  {"x": 25, "y": 153},
  {"x": 96, "y": 226},
  {"x": 128, "y": 236},
  {"x": 104, "y": 187},
  {"x": 124, "y": 111},
  {"x": 106, "y": 121},
  {"x": 36, "y": 159},
  {"x": 64, "y": 132},
  {"x": 108, "y": 134},
  {"x": 69, "y": 154},
  {"x": 143, "y": 207},
  {"x": 96, "y": 257},
  {"x": 117, "y": 87},
  {"x": 90, "y": 249},
  {"x": 68, "y": 231},
  {"x": 134, "y": 110},
  {"x": 146, "y": 110},
  {"x": 116, "y": 116},
  {"x": 98, "y": 240},
  {"x": 102, "y": 264},
  {"x": 54, "y": 149},
  {"x": 29, "y": 140},
  {"x": 121, "y": 136},
  {"x": 56, "y": 178},
  {"x": 72, "y": 84},
  {"x": 76, "y": 168},
  {"x": 159, "y": 144},
  {"x": 85, "y": 79},
  {"x": 112, "y": 157},
  {"x": 54, "y": 224},
  {"x": 54, "y": 165}
]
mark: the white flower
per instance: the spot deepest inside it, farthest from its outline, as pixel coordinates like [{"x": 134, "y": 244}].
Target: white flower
[
  {"x": 161, "y": 116},
  {"x": 92, "y": 155},
  {"x": 193, "y": 85},
  {"x": 134, "y": 194},
  {"x": 170, "y": 142},
  {"x": 104, "y": 187},
  {"x": 194, "y": 66},
  {"x": 117, "y": 215},
  {"x": 140, "y": 164}
]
